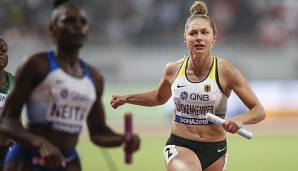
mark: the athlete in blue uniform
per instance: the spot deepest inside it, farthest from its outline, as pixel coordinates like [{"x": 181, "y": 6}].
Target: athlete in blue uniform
[
  {"x": 6, "y": 80},
  {"x": 199, "y": 83},
  {"x": 60, "y": 92}
]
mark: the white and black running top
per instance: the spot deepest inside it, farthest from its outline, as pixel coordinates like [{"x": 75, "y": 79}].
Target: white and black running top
[
  {"x": 194, "y": 99},
  {"x": 62, "y": 102}
]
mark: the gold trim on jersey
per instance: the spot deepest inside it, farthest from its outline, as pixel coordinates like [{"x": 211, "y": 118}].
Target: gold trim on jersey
[
  {"x": 183, "y": 67},
  {"x": 211, "y": 75}
]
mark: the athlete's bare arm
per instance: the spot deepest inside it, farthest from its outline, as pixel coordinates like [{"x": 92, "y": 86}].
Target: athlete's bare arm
[
  {"x": 96, "y": 119},
  {"x": 155, "y": 97},
  {"x": 27, "y": 78},
  {"x": 100, "y": 133},
  {"x": 232, "y": 79}
]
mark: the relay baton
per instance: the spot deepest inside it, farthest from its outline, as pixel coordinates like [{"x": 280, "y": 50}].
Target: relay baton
[
  {"x": 219, "y": 121},
  {"x": 128, "y": 135}
]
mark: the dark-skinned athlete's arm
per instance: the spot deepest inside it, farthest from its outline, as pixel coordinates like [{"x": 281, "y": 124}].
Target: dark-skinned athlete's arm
[
  {"x": 100, "y": 133},
  {"x": 27, "y": 78}
]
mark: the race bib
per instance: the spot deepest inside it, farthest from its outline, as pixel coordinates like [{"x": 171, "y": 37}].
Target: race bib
[{"x": 169, "y": 152}]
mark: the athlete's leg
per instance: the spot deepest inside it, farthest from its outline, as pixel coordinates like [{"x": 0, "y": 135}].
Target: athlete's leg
[
  {"x": 181, "y": 159},
  {"x": 218, "y": 165}
]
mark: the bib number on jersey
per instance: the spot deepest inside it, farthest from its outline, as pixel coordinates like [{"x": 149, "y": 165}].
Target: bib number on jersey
[{"x": 169, "y": 152}]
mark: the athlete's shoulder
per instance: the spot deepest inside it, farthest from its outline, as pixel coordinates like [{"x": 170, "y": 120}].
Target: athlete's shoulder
[
  {"x": 34, "y": 67},
  {"x": 173, "y": 66},
  {"x": 171, "y": 69},
  {"x": 228, "y": 72},
  {"x": 95, "y": 73},
  {"x": 225, "y": 66},
  {"x": 97, "y": 77},
  {"x": 176, "y": 63},
  {"x": 37, "y": 59}
]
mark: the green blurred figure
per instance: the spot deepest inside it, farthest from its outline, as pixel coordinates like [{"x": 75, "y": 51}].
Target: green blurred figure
[{"x": 6, "y": 80}]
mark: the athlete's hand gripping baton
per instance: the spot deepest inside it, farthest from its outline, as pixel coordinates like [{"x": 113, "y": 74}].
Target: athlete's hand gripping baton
[
  {"x": 219, "y": 121},
  {"x": 128, "y": 136}
]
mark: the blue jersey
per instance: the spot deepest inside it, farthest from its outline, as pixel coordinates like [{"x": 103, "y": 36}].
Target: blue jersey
[{"x": 27, "y": 155}]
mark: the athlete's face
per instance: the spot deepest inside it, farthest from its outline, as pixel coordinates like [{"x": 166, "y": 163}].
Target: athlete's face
[
  {"x": 3, "y": 55},
  {"x": 198, "y": 36},
  {"x": 70, "y": 27}
]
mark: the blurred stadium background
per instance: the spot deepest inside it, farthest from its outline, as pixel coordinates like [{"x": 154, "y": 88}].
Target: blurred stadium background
[{"x": 132, "y": 40}]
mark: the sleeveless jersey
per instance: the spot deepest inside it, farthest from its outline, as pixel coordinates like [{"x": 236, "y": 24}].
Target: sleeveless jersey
[
  {"x": 62, "y": 102},
  {"x": 5, "y": 90},
  {"x": 194, "y": 99}
]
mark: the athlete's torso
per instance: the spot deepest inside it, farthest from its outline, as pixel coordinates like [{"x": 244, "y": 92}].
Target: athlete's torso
[
  {"x": 193, "y": 100},
  {"x": 61, "y": 102},
  {"x": 4, "y": 91}
]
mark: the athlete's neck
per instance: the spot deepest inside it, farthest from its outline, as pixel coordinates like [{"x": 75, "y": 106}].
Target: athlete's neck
[
  {"x": 70, "y": 62},
  {"x": 71, "y": 57},
  {"x": 200, "y": 64}
]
